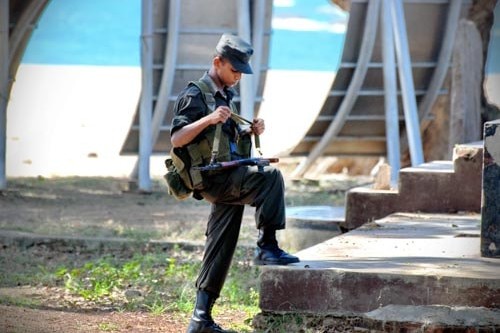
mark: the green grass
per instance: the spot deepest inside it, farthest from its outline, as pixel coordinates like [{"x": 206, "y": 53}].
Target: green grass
[
  {"x": 155, "y": 282},
  {"x": 159, "y": 283}
]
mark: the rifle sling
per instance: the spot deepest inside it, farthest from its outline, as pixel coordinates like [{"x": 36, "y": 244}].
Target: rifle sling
[{"x": 207, "y": 96}]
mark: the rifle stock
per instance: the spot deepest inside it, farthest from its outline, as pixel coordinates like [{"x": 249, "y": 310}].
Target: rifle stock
[{"x": 256, "y": 161}]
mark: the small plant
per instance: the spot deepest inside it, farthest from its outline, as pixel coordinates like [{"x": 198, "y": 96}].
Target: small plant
[
  {"x": 108, "y": 327},
  {"x": 157, "y": 308},
  {"x": 94, "y": 280}
]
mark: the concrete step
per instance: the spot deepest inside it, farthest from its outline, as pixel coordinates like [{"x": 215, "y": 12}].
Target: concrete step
[
  {"x": 404, "y": 259},
  {"x": 434, "y": 187}
]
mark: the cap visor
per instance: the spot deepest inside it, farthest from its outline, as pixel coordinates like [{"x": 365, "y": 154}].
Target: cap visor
[
  {"x": 242, "y": 67},
  {"x": 247, "y": 69}
]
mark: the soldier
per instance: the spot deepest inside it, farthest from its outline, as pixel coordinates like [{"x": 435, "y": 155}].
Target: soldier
[{"x": 193, "y": 130}]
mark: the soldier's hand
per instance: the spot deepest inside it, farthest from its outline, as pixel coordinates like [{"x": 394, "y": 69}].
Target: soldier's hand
[
  {"x": 258, "y": 126},
  {"x": 220, "y": 115}
]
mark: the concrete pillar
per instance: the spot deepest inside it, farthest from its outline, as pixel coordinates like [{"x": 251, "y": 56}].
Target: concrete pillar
[
  {"x": 490, "y": 210},
  {"x": 465, "y": 117}
]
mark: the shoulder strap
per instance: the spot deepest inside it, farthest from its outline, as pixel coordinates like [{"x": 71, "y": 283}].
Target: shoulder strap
[{"x": 209, "y": 100}]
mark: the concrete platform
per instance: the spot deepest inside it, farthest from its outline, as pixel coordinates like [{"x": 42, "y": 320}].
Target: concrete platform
[{"x": 403, "y": 259}]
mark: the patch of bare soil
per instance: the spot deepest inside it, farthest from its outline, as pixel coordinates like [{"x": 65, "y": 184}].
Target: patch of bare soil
[
  {"x": 15, "y": 319},
  {"x": 21, "y": 320}
]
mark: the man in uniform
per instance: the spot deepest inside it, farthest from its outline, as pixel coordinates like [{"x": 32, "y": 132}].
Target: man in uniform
[{"x": 228, "y": 190}]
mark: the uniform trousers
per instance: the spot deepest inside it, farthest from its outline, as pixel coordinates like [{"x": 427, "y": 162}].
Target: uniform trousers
[{"x": 229, "y": 192}]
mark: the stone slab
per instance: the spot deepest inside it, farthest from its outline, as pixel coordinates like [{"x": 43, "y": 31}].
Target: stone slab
[
  {"x": 404, "y": 259},
  {"x": 437, "y": 315},
  {"x": 391, "y": 318}
]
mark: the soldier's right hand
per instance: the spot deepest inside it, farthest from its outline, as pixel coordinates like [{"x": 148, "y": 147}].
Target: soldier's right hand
[{"x": 220, "y": 115}]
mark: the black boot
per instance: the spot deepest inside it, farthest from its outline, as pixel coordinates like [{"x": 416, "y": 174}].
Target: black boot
[
  {"x": 268, "y": 251},
  {"x": 201, "y": 321}
]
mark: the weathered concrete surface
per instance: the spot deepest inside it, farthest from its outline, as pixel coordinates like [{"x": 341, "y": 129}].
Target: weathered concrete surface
[
  {"x": 437, "y": 316},
  {"x": 403, "y": 259},
  {"x": 392, "y": 318},
  {"x": 435, "y": 187},
  {"x": 490, "y": 226}
]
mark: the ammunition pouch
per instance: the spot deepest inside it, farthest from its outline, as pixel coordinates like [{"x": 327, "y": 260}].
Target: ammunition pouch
[
  {"x": 177, "y": 176},
  {"x": 244, "y": 146}
]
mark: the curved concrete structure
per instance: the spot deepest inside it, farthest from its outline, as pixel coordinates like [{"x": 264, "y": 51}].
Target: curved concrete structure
[
  {"x": 352, "y": 119},
  {"x": 17, "y": 20}
]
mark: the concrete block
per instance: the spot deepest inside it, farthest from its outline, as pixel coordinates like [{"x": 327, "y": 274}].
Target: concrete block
[
  {"x": 428, "y": 187},
  {"x": 365, "y": 204},
  {"x": 468, "y": 160}
]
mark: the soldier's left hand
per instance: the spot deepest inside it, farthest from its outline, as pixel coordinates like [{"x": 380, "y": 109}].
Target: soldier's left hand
[{"x": 258, "y": 126}]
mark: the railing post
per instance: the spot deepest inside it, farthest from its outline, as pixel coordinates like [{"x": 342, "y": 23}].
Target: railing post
[
  {"x": 168, "y": 75},
  {"x": 406, "y": 81},
  {"x": 246, "y": 83},
  {"x": 390, "y": 91},
  {"x": 146, "y": 105}
]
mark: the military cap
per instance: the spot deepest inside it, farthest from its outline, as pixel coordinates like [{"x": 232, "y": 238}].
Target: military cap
[{"x": 237, "y": 51}]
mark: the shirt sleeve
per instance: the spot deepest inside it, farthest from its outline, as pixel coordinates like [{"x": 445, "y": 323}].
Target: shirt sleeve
[{"x": 188, "y": 108}]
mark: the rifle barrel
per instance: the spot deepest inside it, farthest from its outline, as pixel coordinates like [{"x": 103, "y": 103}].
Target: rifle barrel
[{"x": 256, "y": 161}]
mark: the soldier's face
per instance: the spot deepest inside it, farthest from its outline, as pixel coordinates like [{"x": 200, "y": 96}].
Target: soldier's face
[{"x": 228, "y": 76}]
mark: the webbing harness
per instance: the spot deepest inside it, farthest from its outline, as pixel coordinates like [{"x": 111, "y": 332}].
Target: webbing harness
[{"x": 210, "y": 102}]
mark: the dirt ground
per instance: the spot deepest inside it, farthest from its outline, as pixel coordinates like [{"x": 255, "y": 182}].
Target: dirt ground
[
  {"x": 21, "y": 319},
  {"x": 104, "y": 208}
]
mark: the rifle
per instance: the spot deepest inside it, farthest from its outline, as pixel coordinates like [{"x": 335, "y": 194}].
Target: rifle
[{"x": 255, "y": 161}]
